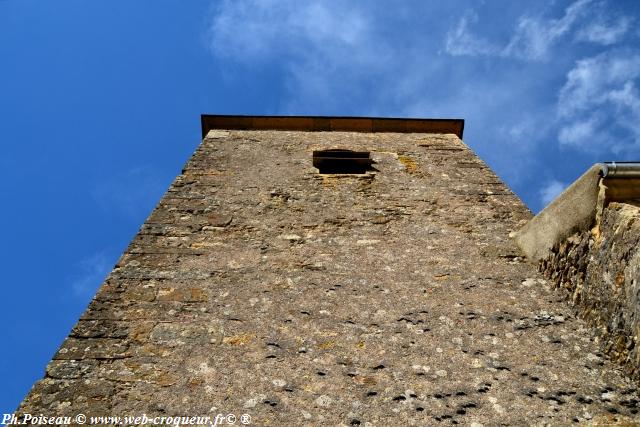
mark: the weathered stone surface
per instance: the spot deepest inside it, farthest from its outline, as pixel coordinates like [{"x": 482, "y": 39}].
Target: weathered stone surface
[
  {"x": 68, "y": 369},
  {"x": 100, "y": 329},
  {"x": 78, "y": 349},
  {"x": 599, "y": 270},
  {"x": 176, "y": 334},
  {"x": 259, "y": 286},
  {"x": 182, "y": 294}
]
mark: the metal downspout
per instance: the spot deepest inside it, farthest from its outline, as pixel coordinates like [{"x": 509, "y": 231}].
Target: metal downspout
[{"x": 616, "y": 170}]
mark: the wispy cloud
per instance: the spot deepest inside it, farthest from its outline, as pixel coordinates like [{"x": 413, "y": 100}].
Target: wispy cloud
[
  {"x": 600, "y": 103},
  {"x": 460, "y": 41},
  {"x": 326, "y": 49},
  {"x": 534, "y": 36},
  {"x": 581, "y": 132},
  {"x": 598, "y": 107},
  {"x": 90, "y": 272},
  {"x": 605, "y": 33},
  {"x": 262, "y": 28},
  {"x": 550, "y": 191}
]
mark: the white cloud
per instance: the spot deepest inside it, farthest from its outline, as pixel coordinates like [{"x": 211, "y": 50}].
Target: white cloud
[
  {"x": 460, "y": 41},
  {"x": 626, "y": 97},
  {"x": 579, "y": 132},
  {"x": 325, "y": 48},
  {"x": 604, "y": 33},
  {"x": 550, "y": 191},
  {"x": 599, "y": 99},
  {"x": 91, "y": 271},
  {"x": 525, "y": 126},
  {"x": 535, "y": 36},
  {"x": 255, "y": 29},
  {"x": 592, "y": 80}
]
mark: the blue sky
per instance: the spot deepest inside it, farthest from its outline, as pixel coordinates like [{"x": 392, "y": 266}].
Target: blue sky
[{"x": 100, "y": 105}]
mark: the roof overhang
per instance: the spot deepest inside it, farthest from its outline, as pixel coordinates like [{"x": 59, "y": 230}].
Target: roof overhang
[{"x": 330, "y": 123}]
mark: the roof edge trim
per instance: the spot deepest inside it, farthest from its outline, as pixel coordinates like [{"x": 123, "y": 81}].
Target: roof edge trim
[{"x": 331, "y": 123}]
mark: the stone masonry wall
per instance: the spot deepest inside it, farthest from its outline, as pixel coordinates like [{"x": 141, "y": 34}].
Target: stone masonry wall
[
  {"x": 259, "y": 286},
  {"x": 599, "y": 271}
]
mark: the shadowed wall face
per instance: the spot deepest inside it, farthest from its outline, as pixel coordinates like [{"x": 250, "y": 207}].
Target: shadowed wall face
[
  {"x": 260, "y": 286},
  {"x": 599, "y": 270}
]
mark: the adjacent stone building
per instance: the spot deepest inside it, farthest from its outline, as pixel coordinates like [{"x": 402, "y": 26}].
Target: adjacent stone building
[{"x": 333, "y": 271}]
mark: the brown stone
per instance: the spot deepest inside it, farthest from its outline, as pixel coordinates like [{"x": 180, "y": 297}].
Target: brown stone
[
  {"x": 219, "y": 220},
  {"x": 600, "y": 275},
  {"x": 182, "y": 294}
]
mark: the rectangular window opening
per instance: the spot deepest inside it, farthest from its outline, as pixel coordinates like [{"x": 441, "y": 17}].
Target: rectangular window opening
[{"x": 341, "y": 161}]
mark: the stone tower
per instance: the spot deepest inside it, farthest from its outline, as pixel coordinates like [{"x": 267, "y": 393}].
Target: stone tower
[{"x": 331, "y": 271}]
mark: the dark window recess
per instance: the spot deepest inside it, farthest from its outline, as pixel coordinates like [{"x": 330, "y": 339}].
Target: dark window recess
[{"x": 342, "y": 161}]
